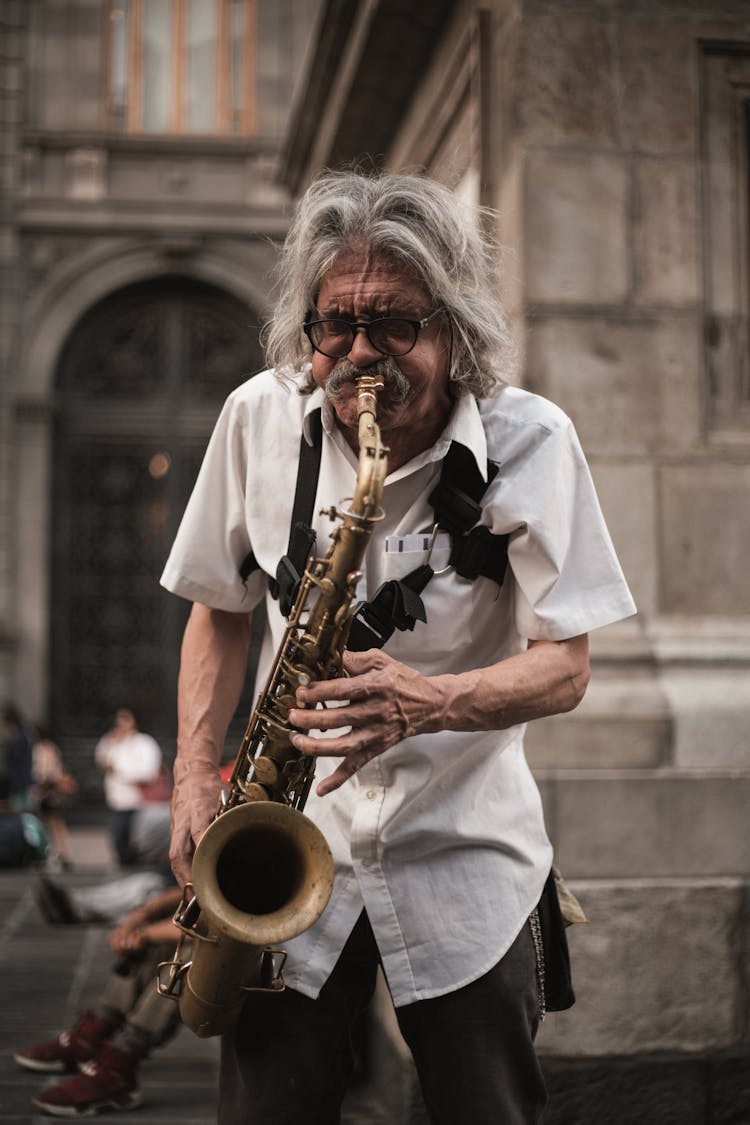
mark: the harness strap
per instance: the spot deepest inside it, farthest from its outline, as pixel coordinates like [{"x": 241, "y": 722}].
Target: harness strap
[
  {"x": 397, "y": 604},
  {"x": 455, "y": 501},
  {"x": 301, "y": 535}
]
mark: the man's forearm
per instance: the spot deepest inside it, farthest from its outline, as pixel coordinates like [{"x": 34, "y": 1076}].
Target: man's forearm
[
  {"x": 212, "y": 672},
  {"x": 547, "y": 679},
  {"x": 384, "y": 701}
]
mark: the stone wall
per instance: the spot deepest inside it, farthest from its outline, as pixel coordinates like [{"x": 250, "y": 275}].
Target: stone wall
[
  {"x": 616, "y": 154},
  {"x": 646, "y": 786},
  {"x": 86, "y": 210},
  {"x": 13, "y": 17}
]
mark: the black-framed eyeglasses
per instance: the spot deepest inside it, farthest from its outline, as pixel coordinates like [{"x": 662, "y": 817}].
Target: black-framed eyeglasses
[{"x": 389, "y": 335}]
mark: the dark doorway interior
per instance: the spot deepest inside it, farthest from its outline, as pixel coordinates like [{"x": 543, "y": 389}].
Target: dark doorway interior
[{"x": 140, "y": 384}]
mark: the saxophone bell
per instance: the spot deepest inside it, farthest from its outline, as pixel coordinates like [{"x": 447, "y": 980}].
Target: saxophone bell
[{"x": 265, "y": 874}]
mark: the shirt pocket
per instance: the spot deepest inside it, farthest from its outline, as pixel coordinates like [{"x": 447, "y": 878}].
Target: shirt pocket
[
  {"x": 438, "y": 643},
  {"x": 449, "y": 605}
]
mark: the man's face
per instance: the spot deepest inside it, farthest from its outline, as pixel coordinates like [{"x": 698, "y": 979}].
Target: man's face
[{"x": 363, "y": 287}]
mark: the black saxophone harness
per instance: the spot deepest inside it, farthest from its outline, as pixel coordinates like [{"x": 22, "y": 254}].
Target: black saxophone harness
[{"x": 475, "y": 550}]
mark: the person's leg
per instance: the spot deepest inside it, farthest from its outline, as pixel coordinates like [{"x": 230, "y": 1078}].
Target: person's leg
[
  {"x": 109, "y": 1080},
  {"x": 152, "y": 1020},
  {"x": 121, "y": 990},
  {"x": 108, "y": 902},
  {"x": 289, "y": 1060},
  {"x": 121, "y": 825},
  {"x": 59, "y": 838},
  {"x": 474, "y": 1048}
]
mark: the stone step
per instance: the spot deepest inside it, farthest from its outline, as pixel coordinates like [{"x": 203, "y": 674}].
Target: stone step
[
  {"x": 660, "y": 983},
  {"x": 648, "y": 823},
  {"x": 642, "y": 717},
  {"x": 658, "y": 968}
]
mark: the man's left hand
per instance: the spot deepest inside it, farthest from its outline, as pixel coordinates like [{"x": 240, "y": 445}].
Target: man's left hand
[{"x": 383, "y": 702}]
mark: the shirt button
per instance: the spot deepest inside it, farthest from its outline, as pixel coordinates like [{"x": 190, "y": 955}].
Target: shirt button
[{"x": 371, "y": 794}]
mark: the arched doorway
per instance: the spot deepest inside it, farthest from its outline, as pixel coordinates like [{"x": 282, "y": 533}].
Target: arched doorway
[{"x": 140, "y": 384}]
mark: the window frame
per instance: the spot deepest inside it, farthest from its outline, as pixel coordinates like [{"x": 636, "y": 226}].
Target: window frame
[{"x": 225, "y": 125}]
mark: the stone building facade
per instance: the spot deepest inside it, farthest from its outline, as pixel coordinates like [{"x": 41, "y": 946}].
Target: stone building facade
[
  {"x": 612, "y": 140},
  {"x": 140, "y": 217}
]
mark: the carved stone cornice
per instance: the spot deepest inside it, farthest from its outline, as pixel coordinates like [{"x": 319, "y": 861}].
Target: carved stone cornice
[{"x": 368, "y": 60}]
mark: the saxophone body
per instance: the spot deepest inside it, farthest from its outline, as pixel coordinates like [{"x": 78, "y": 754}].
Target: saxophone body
[{"x": 262, "y": 871}]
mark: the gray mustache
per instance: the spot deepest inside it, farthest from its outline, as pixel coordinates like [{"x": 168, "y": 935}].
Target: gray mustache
[{"x": 345, "y": 373}]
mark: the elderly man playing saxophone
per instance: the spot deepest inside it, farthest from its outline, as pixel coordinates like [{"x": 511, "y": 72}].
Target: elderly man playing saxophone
[{"x": 479, "y": 586}]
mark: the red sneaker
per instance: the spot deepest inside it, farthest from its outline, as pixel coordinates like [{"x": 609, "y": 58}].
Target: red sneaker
[
  {"x": 105, "y": 1082},
  {"x": 69, "y": 1048}
]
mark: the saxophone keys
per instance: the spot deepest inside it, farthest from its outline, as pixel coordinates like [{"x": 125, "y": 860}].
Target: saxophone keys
[
  {"x": 265, "y": 771},
  {"x": 255, "y": 792}
]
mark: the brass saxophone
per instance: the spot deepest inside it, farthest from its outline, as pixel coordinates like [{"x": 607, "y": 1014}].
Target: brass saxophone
[{"x": 262, "y": 871}]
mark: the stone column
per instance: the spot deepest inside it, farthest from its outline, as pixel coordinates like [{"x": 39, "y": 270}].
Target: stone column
[{"x": 13, "y": 29}]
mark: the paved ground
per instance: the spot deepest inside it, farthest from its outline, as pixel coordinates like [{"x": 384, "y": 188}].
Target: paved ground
[{"x": 48, "y": 974}]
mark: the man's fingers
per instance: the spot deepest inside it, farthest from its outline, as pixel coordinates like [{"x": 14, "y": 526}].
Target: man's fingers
[
  {"x": 345, "y": 772},
  {"x": 326, "y": 747},
  {"x": 323, "y": 718}
]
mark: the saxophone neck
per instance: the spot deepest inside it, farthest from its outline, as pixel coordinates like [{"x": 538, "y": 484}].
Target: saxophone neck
[
  {"x": 368, "y": 389},
  {"x": 373, "y": 455}
]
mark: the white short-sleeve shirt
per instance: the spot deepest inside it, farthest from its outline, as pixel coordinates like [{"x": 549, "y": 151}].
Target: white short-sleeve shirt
[
  {"x": 442, "y": 837},
  {"x": 130, "y": 762}
]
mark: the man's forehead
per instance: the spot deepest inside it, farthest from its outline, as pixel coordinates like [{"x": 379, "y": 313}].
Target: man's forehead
[{"x": 369, "y": 275}]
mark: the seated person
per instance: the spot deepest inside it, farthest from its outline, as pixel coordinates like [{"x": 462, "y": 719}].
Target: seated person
[
  {"x": 22, "y": 837},
  {"x": 130, "y": 1019}
]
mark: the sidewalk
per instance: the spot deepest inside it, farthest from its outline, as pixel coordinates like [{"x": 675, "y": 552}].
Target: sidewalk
[{"x": 48, "y": 973}]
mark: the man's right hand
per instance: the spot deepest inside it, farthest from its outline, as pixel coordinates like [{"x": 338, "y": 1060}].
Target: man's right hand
[{"x": 195, "y": 800}]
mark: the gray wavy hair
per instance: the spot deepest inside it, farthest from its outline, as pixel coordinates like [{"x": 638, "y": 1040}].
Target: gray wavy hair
[{"x": 417, "y": 223}]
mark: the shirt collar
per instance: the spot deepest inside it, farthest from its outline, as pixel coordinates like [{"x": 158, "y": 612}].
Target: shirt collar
[
  {"x": 464, "y": 426},
  {"x": 316, "y": 401}
]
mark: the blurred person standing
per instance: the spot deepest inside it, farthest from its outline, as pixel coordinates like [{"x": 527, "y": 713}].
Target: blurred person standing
[
  {"x": 130, "y": 760},
  {"x": 16, "y": 758},
  {"x": 53, "y": 787}
]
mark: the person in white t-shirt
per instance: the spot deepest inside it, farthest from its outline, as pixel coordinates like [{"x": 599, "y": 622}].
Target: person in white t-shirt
[
  {"x": 442, "y": 862},
  {"x": 130, "y": 760}
]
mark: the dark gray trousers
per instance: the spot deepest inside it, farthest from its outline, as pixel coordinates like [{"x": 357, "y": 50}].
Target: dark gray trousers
[{"x": 290, "y": 1059}]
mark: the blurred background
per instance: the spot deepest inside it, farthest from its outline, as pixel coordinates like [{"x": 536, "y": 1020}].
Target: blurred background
[{"x": 149, "y": 154}]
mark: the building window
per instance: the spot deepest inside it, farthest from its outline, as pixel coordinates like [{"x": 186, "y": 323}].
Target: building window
[{"x": 181, "y": 66}]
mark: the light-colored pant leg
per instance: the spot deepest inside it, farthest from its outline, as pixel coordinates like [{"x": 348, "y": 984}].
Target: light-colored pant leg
[
  {"x": 108, "y": 902},
  {"x": 155, "y": 1018}
]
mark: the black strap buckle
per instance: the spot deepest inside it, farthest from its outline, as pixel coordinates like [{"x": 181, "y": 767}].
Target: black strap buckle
[
  {"x": 480, "y": 553},
  {"x": 286, "y": 584},
  {"x": 456, "y": 510},
  {"x": 292, "y": 566},
  {"x": 396, "y": 605}
]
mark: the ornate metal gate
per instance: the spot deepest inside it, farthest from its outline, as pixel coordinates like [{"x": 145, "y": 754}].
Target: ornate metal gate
[{"x": 140, "y": 385}]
